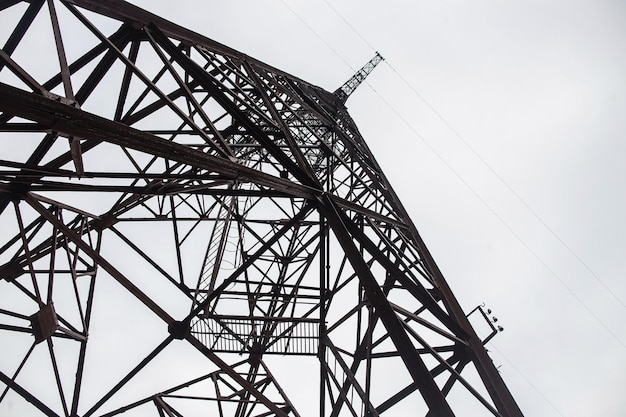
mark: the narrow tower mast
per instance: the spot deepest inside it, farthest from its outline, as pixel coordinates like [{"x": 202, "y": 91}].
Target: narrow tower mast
[{"x": 353, "y": 83}]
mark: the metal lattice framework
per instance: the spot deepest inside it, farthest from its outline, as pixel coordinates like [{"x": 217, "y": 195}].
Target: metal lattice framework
[{"x": 188, "y": 231}]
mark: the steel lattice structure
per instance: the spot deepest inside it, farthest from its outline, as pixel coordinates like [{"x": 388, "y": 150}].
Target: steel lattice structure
[{"x": 189, "y": 231}]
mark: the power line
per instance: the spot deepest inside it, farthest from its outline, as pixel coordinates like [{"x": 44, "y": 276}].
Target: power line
[
  {"x": 495, "y": 173},
  {"x": 511, "y": 230},
  {"x": 484, "y": 161},
  {"x": 506, "y": 184},
  {"x": 492, "y": 210},
  {"x": 516, "y": 369},
  {"x": 349, "y": 25},
  {"x": 328, "y": 45}
]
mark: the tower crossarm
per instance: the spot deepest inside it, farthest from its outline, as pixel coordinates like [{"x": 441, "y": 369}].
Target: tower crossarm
[{"x": 349, "y": 86}]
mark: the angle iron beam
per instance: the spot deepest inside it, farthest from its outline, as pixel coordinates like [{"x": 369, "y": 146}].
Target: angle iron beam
[
  {"x": 363, "y": 351},
  {"x": 230, "y": 371},
  {"x": 115, "y": 50},
  {"x": 412, "y": 361},
  {"x": 145, "y": 400},
  {"x": 126, "y": 79},
  {"x": 58, "y": 38},
  {"x": 71, "y": 121},
  {"x": 350, "y": 381},
  {"x": 224, "y": 149},
  {"x": 88, "y": 57},
  {"x": 21, "y": 27},
  {"x": 126, "y": 12},
  {"x": 208, "y": 82},
  {"x": 413, "y": 287},
  {"x": 142, "y": 364},
  {"x": 38, "y": 155},
  {"x": 341, "y": 397},
  {"x": 27, "y": 395},
  {"x": 20, "y": 73},
  {"x": 8, "y": 3},
  {"x": 448, "y": 367},
  {"x": 293, "y": 146},
  {"x": 93, "y": 254},
  {"x": 80, "y": 367},
  {"x": 105, "y": 64},
  {"x": 489, "y": 374},
  {"x": 183, "y": 288}
]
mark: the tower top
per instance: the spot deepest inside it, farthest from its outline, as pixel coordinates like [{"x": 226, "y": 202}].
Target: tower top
[{"x": 349, "y": 86}]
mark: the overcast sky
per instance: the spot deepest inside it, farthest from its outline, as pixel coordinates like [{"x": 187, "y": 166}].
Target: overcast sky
[
  {"x": 501, "y": 125},
  {"x": 515, "y": 180}
]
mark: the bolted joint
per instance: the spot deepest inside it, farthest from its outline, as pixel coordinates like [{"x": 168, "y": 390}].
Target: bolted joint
[
  {"x": 44, "y": 323},
  {"x": 104, "y": 222},
  {"x": 179, "y": 329},
  {"x": 16, "y": 191},
  {"x": 436, "y": 293},
  {"x": 11, "y": 271}
]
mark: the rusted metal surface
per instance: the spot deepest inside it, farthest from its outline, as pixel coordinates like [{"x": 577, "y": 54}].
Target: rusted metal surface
[{"x": 192, "y": 213}]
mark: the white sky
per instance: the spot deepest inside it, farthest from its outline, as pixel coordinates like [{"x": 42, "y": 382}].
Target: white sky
[
  {"x": 512, "y": 169},
  {"x": 537, "y": 90}
]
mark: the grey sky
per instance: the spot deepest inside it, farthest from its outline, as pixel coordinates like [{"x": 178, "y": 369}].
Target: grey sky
[
  {"x": 535, "y": 93},
  {"x": 538, "y": 91}
]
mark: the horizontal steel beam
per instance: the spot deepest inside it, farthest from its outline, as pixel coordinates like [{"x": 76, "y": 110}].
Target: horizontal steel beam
[
  {"x": 126, "y": 12},
  {"x": 58, "y": 117}
]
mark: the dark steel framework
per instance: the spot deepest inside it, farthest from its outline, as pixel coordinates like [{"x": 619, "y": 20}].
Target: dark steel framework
[{"x": 188, "y": 231}]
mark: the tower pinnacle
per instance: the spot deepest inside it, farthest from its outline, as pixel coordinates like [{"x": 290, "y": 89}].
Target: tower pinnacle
[{"x": 349, "y": 86}]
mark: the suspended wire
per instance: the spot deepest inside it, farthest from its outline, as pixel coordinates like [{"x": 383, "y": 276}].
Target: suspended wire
[
  {"x": 318, "y": 35},
  {"x": 520, "y": 373},
  {"x": 516, "y": 369},
  {"x": 349, "y": 25},
  {"x": 506, "y": 184},
  {"x": 457, "y": 134},
  {"x": 508, "y": 227},
  {"x": 458, "y": 175},
  {"x": 484, "y": 162}
]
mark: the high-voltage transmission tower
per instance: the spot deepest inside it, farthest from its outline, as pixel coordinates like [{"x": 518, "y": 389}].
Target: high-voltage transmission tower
[{"x": 187, "y": 231}]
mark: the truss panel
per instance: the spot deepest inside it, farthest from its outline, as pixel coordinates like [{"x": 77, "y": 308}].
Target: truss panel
[{"x": 187, "y": 230}]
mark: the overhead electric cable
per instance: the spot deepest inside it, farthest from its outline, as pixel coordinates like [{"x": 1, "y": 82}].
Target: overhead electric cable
[
  {"x": 495, "y": 173},
  {"x": 511, "y": 230},
  {"x": 304, "y": 22},
  {"x": 516, "y": 369},
  {"x": 506, "y": 184},
  {"x": 349, "y": 25},
  {"x": 484, "y": 162}
]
